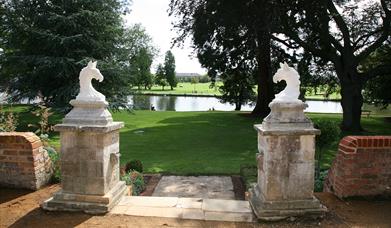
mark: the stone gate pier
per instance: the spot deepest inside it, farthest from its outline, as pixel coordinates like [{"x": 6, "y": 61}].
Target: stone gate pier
[
  {"x": 286, "y": 145},
  {"x": 89, "y": 155}
]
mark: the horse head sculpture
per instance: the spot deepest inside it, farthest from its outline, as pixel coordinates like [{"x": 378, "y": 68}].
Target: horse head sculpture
[
  {"x": 292, "y": 90},
  {"x": 87, "y": 91}
]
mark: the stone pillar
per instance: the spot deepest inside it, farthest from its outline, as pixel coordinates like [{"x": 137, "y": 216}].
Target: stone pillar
[
  {"x": 89, "y": 160},
  {"x": 286, "y": 145}
]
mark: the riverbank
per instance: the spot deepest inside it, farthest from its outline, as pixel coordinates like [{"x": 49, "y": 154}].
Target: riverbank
[
  {"x": 175, "y": 94},
  {"x": 207, "y": 90}
]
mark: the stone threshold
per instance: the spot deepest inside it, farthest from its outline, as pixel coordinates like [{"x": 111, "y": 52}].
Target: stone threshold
[{"x": 185, "y": 208}]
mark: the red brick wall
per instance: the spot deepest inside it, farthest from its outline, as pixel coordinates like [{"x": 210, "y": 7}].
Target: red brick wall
[
  {"x": 23, "y": 161},
  {"x": 362, "y": 167}
]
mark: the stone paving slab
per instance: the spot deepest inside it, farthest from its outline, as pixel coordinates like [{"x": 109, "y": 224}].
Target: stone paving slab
[
  {"x": 141, "y": 201},
  {"x": 185, "y": 208},
  {"x": 216, "y": 205},
  {"x": 206, "y": 187},
  {"x": 190, "y": 203}
]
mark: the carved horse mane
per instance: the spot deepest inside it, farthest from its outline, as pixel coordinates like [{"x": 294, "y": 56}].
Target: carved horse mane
[
  {"x": 87, "y": 91},
  {"x": 292, "y": 90}
]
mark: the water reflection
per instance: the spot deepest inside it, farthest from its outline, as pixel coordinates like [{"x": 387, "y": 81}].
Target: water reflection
[{"x": 185, "y": 104}]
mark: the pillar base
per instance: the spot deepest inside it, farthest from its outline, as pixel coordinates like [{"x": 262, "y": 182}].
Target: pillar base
[
  {"x": 279, "y": 210},
  {"x": 91, "y": 204}
]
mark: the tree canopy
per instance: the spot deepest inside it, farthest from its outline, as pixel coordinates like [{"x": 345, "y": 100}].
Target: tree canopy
[
  {"x": 138, "y": 46},
  {"x": 160, "y": 76},
  {"x": 47, "y": 42},
  {"x": 377, "y": 90},
  {"x": 343, "y": 33},
  {"x": 338, "y": 34},
  {"x": 229, "y": 35}
]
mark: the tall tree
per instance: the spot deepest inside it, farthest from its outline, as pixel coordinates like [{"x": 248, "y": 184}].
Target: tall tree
[
  {"x": 237, "y": 89},
  {"x": 344, "y": 33},
  {"x": 231, "y": 34},
  {"x": 160, "y": 76},
  {"x": 47, "y": 42},
  {"x": 140, "y": 51},
  {"x": 169, "y": 69},
  {"x": 141, "y": 68}
]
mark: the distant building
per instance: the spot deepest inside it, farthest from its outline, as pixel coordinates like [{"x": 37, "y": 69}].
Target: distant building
[{"x": 187, "y": 75}]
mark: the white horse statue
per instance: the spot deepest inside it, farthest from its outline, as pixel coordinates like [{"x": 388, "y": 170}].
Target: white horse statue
[
  {"x": 292, "y": 90},
  {"x": 87, "y": 92}
]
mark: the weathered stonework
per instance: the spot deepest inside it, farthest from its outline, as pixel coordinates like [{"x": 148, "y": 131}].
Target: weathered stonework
[
  {"x": 89, "y": 160},
  {"x": 24, "y": 163},
  {"x": 286, "y": 145}
]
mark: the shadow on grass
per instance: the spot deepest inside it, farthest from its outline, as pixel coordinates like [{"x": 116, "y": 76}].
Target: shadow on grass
[{"x": 197, "y": 143}]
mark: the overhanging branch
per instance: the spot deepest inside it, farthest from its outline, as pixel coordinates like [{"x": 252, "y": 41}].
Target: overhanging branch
[
  {"x": 340, "y": 22},
  {"x": 385, "y": 34},
  {"x": 285, "y": 42}
]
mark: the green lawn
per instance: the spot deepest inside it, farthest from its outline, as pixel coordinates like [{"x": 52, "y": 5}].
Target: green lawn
[{"x": 196, "y": 142}]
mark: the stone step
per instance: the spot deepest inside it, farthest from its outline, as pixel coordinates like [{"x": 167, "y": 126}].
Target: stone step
[{"x": 185, "y": 208}]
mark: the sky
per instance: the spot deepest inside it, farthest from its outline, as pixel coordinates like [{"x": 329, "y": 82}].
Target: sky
[{"x": 153, "y": 16}]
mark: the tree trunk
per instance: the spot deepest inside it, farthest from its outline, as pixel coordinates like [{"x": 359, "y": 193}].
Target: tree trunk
[
  {"x": 264, "y": 77},
  {"x": 351, "y": 93},
  {"x": 352, "y": 101},
  {"x": 238, "y": 106}
]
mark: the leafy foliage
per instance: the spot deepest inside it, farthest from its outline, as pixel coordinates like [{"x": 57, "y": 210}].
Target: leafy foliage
[
  {"x": 330, "y": 132},
  {"x": 229, "y": 35},
  {"x": 43, "y": 127},
  {"x": 377, "y": 90},
  {"x": 8, "y": 121},
  {"x": 136, "y": 180},
  {"x": 169, "y": 69},
  {"x": 320, "y": 180},
  {"x": 250, "y": 174},
  {"x": 136, "y": 165},
  {"x": 55, "y": 158},
  {"x": 46, "y": 43},
  {"x": 160, "y": 77},
  {"x": 343, "y": 33},
  {"x": 237, "y": 89},
  {"x": 140, "y": 52}
]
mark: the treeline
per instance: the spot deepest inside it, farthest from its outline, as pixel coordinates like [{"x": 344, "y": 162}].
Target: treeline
[
  {"x": 45, "y": 43},
  {"x": 341, "y": 43}
]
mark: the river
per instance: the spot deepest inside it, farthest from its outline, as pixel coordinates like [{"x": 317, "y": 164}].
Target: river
[{"x": 189, "y": 104}]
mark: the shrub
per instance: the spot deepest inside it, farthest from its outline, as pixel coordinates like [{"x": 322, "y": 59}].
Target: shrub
[
  {"x": 319, "y": 181},
  {"x": 134, "y": 165},
  {"x": 136, "y": 180},
  {"x": 55, "y": 158},
  {"x": 43, "y": 128},
  {"x": 8, "y": 121},
  {"x": 330, "y": 132},
  {"x": 249, "y": 174}
]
